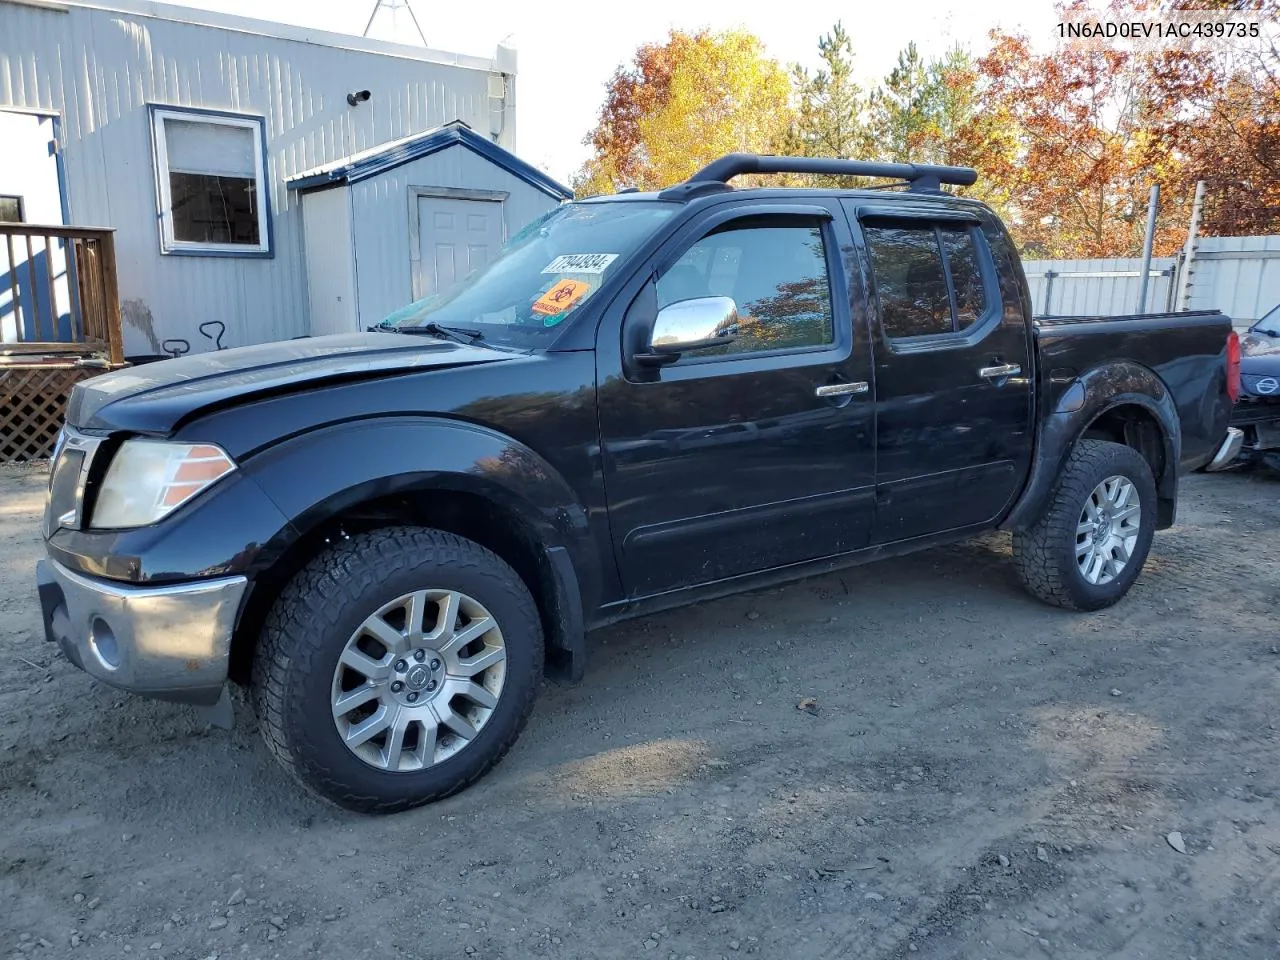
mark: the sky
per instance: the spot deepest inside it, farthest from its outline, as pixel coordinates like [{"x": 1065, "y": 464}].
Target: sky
[{"x": 567, "y": 54}]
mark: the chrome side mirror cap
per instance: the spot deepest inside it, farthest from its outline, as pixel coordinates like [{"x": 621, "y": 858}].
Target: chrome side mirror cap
[{"x": 686, "y": 325}]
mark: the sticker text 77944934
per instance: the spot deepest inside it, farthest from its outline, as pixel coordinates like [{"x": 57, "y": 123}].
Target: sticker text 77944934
[{"x": 580, "y": 263}]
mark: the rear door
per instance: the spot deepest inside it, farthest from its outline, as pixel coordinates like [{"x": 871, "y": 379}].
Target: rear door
[{"x": 953, "y": 370}]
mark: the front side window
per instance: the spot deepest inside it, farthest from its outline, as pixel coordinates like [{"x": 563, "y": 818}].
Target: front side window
[
  {"x": 774, "y": 269},
  {"x": 928, "y": 277},
  {"x": 211, "y": 174}
]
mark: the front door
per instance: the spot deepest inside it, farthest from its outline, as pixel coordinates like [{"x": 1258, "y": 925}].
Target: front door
[
  {"x": 953, "y": 373},
  {"x": 755, "y": 454},
  {"x": 455, "y": 236}
]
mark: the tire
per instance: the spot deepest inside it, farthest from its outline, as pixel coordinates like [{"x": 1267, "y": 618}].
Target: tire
[
  {"x": 1046, "y": 553},
  {"x": 325, "y": 613}
]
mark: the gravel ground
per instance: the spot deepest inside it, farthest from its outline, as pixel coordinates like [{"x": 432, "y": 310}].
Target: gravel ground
[{"x": 978, "y": 776}]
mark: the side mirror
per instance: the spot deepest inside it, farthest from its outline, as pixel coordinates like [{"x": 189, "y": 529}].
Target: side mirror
[{"x": 686, "y": 325}]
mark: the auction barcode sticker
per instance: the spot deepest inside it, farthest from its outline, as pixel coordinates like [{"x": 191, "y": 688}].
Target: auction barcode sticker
[{"x": 580, "y": 263}]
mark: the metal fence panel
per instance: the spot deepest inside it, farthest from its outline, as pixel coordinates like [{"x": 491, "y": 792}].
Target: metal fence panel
[{"x": 1098, "y": 287}]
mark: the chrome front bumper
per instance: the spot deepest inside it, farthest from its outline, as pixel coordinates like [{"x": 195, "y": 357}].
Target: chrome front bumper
[
  {"x": 172, "y": 642},
  {"x": 1229, "y": 450}
]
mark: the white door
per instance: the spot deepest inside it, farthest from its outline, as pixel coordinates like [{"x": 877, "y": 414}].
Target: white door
[
  {"x": 454, "y": 237},
  {"x": 29, "y": 193}
]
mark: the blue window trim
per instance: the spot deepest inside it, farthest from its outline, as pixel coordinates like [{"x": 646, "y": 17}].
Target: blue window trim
[
  {"x": 453, "y": 134},
  {"x": 212, "y": 250}
]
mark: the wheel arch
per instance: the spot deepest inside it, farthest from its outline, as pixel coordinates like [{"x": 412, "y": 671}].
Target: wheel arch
[
  {"x": 485, "y": 487},
  {"x": 1122, "y": 402}
]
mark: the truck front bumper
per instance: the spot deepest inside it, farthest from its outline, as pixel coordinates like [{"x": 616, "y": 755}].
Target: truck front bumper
[{"x": 171, "y": 642}]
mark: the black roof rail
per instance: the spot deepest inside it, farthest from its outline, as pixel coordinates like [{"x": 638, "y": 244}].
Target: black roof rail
[
  {"x": 920, "y": 176},
  {"x": 683, "y": 192}
]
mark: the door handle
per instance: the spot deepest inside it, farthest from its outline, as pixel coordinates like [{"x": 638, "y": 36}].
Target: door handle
[
  {"x": 842, "y": 389},
  {"x": 1000, "y": 370}
]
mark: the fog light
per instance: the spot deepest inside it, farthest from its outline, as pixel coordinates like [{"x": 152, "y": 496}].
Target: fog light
[{"x": 103, "y": 642}]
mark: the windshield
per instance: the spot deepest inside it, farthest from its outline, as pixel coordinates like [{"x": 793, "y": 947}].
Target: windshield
[
  {"x": 1270, "y": 322},
  {"x": 542, "y": 275}
]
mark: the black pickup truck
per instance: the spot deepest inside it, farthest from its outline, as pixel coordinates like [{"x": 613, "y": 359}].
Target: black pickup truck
[{"x": 644, "y": 401}]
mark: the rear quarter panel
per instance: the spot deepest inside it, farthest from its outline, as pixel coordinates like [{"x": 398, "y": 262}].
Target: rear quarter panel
[{"x": 1186, "y": 351}]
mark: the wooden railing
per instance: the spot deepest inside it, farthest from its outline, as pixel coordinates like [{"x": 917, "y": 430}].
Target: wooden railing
[{"x": 58, "y": 291}]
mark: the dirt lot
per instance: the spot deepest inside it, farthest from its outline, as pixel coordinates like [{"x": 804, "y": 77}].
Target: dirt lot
[{"x": 984, "y": 777}]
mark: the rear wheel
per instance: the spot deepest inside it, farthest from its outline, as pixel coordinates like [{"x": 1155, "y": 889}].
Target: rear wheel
[
  {"x": 397, "y": 668},
  {"x": 1087, "y": 549}
]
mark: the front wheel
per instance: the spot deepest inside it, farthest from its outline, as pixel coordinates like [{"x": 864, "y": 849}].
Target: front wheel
[
  {"x": 1087, "y": 549},
  {"x": 397, "y": 668}
]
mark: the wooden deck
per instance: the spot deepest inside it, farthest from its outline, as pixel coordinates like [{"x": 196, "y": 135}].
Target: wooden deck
[{"x": 59, "y": 324}]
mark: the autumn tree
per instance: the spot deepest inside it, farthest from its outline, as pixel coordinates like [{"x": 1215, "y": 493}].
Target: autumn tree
[
  {"x": 681, "y": 104},
  {"x": 1085, "y": 156},
  {"x": 1222, "y": 119},
  {"x": 1097, "y": 127}
]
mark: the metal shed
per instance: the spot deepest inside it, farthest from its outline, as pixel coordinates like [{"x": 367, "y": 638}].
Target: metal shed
[{"x": 410, "y": 218}]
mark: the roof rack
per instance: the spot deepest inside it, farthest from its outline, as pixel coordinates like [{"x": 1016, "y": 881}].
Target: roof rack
[{"x": 715, "y": 176}]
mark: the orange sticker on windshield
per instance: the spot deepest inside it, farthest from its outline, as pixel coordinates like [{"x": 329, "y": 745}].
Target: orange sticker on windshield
[{"x": 563, "y": 295}]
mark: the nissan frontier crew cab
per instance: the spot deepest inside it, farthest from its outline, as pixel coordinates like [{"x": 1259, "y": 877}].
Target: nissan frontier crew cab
[{"x": 643, "y": 401}]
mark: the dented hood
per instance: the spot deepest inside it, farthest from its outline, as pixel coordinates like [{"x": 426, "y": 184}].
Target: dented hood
[{"x": 156, "y": 397}]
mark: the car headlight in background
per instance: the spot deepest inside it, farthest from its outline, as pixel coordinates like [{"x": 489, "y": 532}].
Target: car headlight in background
[{"x": 149, "y": 479}]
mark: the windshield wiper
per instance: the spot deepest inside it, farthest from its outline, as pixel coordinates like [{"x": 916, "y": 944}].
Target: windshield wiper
[{"x": 433, "y": 329}]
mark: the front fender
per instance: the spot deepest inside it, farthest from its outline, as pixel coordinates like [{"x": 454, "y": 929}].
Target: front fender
[
  {"x": 1090, "y": 396},
  {"x": 325, "y": 472}
]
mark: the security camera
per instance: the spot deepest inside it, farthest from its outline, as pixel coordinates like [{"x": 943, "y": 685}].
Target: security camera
[{"x": 358, "y": 97}]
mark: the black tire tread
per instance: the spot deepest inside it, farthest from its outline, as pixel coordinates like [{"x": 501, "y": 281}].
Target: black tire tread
[
  {"x": 314, "y": 601},
  {"x": 1036, "y": 549}
]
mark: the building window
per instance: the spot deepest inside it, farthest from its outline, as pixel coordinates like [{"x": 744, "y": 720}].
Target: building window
[
  {"x": 211, "y": 183},
  {"x": 11, "y": 209}
]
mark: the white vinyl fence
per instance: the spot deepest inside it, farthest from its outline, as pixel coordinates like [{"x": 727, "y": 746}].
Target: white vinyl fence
[{"x": 1238, "y": 275}]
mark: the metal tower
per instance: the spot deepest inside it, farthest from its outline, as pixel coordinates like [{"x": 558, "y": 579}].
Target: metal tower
[{"x": 396, "y": 20}]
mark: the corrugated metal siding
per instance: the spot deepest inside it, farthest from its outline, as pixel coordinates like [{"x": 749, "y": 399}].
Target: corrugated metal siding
[
  {"x": 381, "y": 214},
  {"x": 1238, "y": 275},
  {"x": 100, "y": 69},
  {"x": 1096, "y": 295}
]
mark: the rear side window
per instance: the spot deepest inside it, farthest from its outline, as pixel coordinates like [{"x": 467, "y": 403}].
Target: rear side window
[{"x": 928, "y": 277}]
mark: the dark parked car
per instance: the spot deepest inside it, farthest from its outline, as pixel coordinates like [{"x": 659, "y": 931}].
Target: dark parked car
[
  {"x": 1257, "y": 414},
  {"x": 645, "y": 400}
]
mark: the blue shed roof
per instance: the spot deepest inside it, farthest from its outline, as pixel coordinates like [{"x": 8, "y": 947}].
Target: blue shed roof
[{"x": 388, "y": 156}]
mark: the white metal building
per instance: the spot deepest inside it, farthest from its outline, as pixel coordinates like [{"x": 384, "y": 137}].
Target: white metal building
[{"x": 181, "y": 129}]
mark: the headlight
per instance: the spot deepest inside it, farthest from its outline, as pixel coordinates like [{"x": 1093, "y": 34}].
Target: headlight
[{"x": 149, "y": 479}]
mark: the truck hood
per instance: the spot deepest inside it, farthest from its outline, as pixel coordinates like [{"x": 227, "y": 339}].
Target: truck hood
[{"x": 156, "y": 397}]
